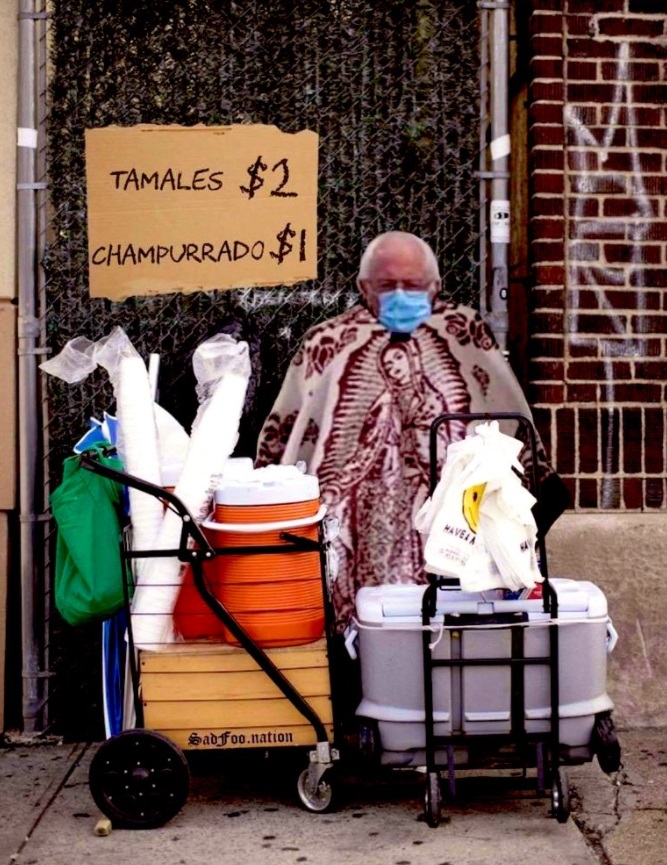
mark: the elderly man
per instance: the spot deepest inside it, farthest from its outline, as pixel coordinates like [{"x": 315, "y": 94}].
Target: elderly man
[{"x": 359, "y": 398}]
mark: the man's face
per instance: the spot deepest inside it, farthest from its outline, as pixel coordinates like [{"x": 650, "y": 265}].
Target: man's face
[{"x": 397, "y": 265}]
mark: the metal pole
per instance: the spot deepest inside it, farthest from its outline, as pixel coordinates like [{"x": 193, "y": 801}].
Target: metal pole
[
  {"x": 499, "y": 219},
  {"x": 28, "y": 334}
]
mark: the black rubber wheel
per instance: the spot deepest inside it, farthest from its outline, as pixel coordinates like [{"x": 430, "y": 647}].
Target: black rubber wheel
[
  {"x": 605, "y": 744},
  {"x": 321, "y": 798},
  {"x": 560, "y": 797},
  {"x": 433, "y": 800},
  {"x": 139, "y": 779}
]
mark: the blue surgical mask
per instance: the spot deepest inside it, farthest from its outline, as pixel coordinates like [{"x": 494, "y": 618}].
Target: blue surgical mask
[{"x": 403, "y": 311}]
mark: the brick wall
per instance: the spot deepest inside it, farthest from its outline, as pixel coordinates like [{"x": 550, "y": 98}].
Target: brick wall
[{"x": 598, "y": 239}]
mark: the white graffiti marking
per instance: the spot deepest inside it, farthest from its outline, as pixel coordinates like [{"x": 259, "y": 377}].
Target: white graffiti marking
[{"x": 634, "y": 229}]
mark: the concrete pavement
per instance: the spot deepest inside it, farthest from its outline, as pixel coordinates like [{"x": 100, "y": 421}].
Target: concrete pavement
[{"x": 243, "y": 811}]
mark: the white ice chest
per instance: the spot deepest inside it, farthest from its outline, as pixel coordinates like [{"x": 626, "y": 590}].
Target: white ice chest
[{"x": 477, "y": 700}]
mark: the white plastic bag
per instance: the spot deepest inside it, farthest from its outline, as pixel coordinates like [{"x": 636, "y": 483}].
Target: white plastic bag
[{"x": 479, "y": 523}]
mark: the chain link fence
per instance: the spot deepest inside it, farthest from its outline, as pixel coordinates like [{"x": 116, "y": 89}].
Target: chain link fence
[{"x": 392, "y": 90}]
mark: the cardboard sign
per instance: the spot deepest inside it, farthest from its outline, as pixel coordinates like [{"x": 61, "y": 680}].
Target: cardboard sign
[{"x": 175, "y": 208}]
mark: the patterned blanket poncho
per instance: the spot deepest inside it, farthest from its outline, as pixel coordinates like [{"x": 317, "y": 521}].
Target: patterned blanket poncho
[{"x": 357, "y": 405}]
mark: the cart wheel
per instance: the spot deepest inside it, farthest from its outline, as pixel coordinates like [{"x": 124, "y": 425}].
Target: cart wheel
[
  {"x": 605, "y": 744},
  {"x": 315, "y": 797},
  {"x": 139, "y": 779},
  {"x": 432, "y": 799},
  {"x": 369, "y": 739},
  {"x": 560, "y": 796}
]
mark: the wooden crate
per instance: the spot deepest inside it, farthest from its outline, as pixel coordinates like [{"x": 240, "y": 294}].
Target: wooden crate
[{"x": 211, "y": 695}]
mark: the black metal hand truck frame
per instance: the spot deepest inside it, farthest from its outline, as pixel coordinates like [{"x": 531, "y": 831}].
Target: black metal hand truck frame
[
  {"x": 518, "y": 661},
  {"x": 194, "y": 549}
]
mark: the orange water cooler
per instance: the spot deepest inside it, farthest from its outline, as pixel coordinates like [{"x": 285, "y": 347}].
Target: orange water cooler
[{"x": 277, "y": 597}]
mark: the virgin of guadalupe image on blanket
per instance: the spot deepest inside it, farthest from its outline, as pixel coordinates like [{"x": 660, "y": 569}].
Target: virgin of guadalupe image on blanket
[{"x": 357, "y": 404}]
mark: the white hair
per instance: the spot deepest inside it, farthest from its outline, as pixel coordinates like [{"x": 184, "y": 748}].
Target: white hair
[{"x": 367, "y": 261}]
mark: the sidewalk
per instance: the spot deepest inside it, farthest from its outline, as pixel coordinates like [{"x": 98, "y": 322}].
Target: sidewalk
[{"x": 243, "y": 812}]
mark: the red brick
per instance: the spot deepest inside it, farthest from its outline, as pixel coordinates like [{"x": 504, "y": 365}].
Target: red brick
[
  {"x": 618, "y": 206},
  {"x": 582, "y": 298},
  {"x": 587, "y": 91},
  {"x": 542, "y": 420},
  {"x": 637, "y": 392},
  {"x": 632, "y": 300},
  {"x": 580, "y": 70},
  {"x": 630, "y": 347},
  {"x": 610, "y": 426},
  {"x": 651, "y": 369},
  {"x": 598, "y": 184},
  {"x": 588, "y": 440},
  {"x": 565, "y": 441},
  {"x": 586, "y": 347},
  {"x": 633, "y": 493},
  {"x": 548, "y": 46},
  {"x": 653, "y": 94},
  {"x": 638, "y": 71},
  {"x": 594, "y": 275},
  {"x": 653, "y": 231},
  {"x": 547, "y": 322},
  {"x": 547, "y": 181},
  {"x": 546, "y": 298},
  {"x": 547, "y": 91},
  {"x": 581, "y": 393},
  {"x": 582, "y": 207},
  {"x": 542, "y": 205},
  {"x": 583, "y": 160},
  {"x": 544, "y": 251},
  {"x": 578, "y": 25},
  {"x": 549, "y": 274},
  {"x": 587, "y": 493},
  {"x": 629, "y": 26},
  {"x": 590, "y": 48},
  {"x": 583, "y": 251},
  {"x": 543, "y": 346},
  {"x": 546, "y": 370},
  {"x": 645, "y": 324},
  {"x": 644, "y": 48},
  {"x": 633, "y": 434},
  {"x": 624, "y": 253},
  {"x": 548, "y": 159},
  {"x": 543, "y": 23},
  {"x": 547, "y": 229},
  {"x": 547, "y": 112},
  {"x": 610, "y": 493},
  {"x": 581, "y": 229},
  {"x": 654, "y": 446},
  {"x": 653, "y": 137},
  {"x": 645, "y": 162},
  {"x": 623, "y": 115},
  {"x": 641, "y": 7},
  {"x": 584, "y": 322},
  {"x": 599, "y": 134},
  {"x": 543, "y": 134},
  {"x": 581, "y": 6},
  {"x": 649, "y": 278},
  {"x": 547, "y": 67},
  {"x": 598, "y": 370},
  {"x": 549, "y": 394},
  {"x": 654, "y": 492},
  {"x": 648, "y": 184}
]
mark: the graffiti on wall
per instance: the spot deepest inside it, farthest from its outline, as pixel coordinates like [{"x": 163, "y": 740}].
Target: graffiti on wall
[{"x": 633, "y": 230}]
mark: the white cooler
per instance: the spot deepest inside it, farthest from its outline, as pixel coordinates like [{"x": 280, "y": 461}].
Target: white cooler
[{"x": 477, "y": 700}]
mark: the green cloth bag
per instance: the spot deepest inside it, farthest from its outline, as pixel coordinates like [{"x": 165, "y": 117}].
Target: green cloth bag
[{"x": 89, "y": 568}]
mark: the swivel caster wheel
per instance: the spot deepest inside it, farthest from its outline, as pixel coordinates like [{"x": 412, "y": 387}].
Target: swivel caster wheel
[
  {"x": 433, "y": 800},
  {"x": 605, "y": 743},
  {"x": 315, "y": 795},
  {"x": 560, "y": 796}
]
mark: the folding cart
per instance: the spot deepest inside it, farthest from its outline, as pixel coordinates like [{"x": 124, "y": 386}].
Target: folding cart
[
  {"x": 213, "y": 696},
  {"x": 525, "y": 679}
]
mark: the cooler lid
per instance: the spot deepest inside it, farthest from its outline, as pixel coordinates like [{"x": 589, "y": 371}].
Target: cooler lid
[
  {"x": 378, "y": 604},
  {"x": 271, "y": 485}
]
